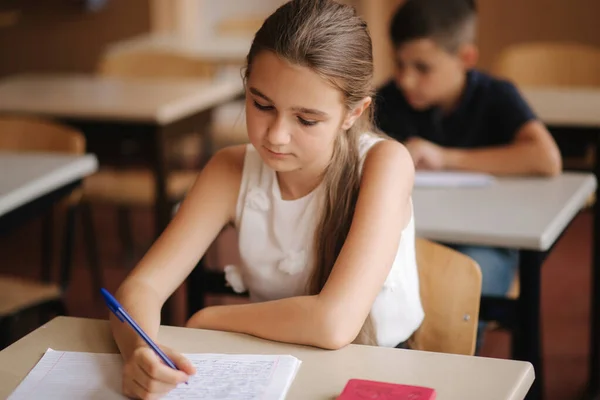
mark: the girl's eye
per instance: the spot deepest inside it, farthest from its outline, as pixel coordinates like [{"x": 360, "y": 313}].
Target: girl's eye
[
  {"x": 307, "y": 122},
  {"x": 422, "y": 68},
  {"x": 261, "y": 107},
  {"x": 303, "y": 121}
]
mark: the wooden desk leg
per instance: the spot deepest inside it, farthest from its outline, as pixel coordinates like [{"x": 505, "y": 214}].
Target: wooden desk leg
[
  {"x": 594, "y": 356},
  {"x": 527, "y": 340},
  {"x": 174, "y": 311}
]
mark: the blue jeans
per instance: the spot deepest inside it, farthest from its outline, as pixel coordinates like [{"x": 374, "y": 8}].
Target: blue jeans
[{"x": 498, "y": 268}]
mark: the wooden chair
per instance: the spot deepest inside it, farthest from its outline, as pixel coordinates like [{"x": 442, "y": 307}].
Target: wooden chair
[
  {"x": 554, "y": 64},
  {"x": 450, "y": 284},
  {"x": 18, "y": 295},
  {"x": 550, "y": 63}
]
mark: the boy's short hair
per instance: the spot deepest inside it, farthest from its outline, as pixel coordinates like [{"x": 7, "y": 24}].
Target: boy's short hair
[{"x": 450, "y": 23}]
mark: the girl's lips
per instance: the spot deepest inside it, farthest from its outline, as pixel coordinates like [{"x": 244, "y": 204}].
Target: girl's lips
[{"x": 276, "y": 153}]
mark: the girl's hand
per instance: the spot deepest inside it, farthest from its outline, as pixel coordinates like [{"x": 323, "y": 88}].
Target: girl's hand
[{"x": 146, "y": 377}]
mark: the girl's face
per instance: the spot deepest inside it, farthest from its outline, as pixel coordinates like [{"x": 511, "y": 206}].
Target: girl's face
[{"x": 292, "y": 114}]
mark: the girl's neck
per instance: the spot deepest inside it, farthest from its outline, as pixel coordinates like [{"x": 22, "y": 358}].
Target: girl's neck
[
  {"x": 293, "y": 186},
  {"x": 299, "y": 183}
]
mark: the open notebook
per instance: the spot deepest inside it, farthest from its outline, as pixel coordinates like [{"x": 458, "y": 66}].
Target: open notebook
[
  {"x": 73, "y": 375},
  {"x": 441, "y": 179}
]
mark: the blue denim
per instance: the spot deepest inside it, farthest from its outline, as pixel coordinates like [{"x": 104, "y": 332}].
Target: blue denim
[{"x": 498, "y": 268}]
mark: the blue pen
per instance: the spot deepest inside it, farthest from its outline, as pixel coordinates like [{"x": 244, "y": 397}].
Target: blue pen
[{"x": 118, "y": 310}]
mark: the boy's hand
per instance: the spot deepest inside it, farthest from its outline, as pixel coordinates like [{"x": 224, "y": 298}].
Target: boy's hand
[{"x": 425, "y": 154}]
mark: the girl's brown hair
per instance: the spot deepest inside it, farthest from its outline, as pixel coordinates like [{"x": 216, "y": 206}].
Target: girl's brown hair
[{"x": 331, "y": 40}]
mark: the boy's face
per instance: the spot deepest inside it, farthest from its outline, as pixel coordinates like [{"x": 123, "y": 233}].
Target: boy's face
[{"x": 429, "y": 75}]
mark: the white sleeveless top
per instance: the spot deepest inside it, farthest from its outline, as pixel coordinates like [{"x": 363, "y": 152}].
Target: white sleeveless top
[{"x": 276, "y": 248}]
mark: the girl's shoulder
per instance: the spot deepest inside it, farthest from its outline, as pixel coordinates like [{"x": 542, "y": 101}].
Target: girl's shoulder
[
  {"x": 373, "y": 146},
  {"x": 225, "y": 168},
  {"x": 230, "y": 158},
  {"x": 388, "y": 157}
]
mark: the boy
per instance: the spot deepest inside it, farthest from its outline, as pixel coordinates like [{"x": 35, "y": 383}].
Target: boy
[{"x": 451, "y": 116}]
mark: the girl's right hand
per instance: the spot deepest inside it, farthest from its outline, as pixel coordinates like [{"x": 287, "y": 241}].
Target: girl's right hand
[{"x": 146, "y": 377}]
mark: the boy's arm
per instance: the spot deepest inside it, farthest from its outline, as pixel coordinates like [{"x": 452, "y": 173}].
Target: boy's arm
[
  {"x": 529, "y": 148},
  {"x": 532, "y": 152}
]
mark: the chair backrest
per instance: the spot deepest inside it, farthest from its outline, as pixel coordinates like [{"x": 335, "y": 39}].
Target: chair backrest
[
  {"x": 450, "y": 284},
  {"x": 23, "y": 134},
  {"x": 29, "y": 134},
  {"x": 550, "y": 63},
  {"x": 240, "y": 26},
  {"x": 154, "y": 64}
]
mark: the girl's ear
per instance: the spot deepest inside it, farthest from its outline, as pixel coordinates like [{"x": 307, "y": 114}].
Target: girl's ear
[{"x": 356, "y": 112}]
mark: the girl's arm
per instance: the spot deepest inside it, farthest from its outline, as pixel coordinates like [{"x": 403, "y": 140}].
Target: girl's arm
[
  {"x": 208, "y": 207},
  {"x": 333, "y": 318}
]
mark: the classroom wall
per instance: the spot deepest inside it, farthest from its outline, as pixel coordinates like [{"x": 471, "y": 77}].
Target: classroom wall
[
  {"x": 505, "y": 22},
  {"x": 56, "y": 35},
  {"x": 501, "y": 23},
  {"x": 213, "y": 12}
]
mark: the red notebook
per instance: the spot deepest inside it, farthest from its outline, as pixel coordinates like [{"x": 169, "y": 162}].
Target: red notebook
[{"x": 359, "y": 389}]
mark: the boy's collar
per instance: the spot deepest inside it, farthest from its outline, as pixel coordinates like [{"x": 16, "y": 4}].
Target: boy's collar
[{"x": 468, "y": 91}]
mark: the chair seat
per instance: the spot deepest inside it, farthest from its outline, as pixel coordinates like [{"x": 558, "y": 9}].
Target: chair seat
[
  {"x": 17, "y": 294},
  {"x": 134, "y": 187}
]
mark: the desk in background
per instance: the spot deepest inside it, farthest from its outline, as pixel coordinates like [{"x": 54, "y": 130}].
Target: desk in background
[
  {"x": 529, "y": 214},
  {"x": 222, "y": 51},
  {"x": 322, "y": 375},
  {"x": 30, "y": 183},
  {"x": 125, "y": 121},
  {"x": 576, "y": 112},
  {"x": 113, "y": 113}
]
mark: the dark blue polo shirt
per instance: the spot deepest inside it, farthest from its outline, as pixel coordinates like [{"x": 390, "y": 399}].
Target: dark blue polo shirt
[{"x": 490, "y": 113}]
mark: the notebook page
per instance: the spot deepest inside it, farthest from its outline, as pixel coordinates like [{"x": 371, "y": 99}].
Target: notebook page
[
  {"x": 60, "y": 375},
  {"x": 452, "y": 179},
  {"x": 241, "y": 377},
  {"x": 69, "y": 375}
]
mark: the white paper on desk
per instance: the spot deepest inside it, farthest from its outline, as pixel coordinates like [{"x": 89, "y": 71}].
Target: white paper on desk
[
  {"x": 73, "y": 375},
  {"x": 452, "y": 179}
]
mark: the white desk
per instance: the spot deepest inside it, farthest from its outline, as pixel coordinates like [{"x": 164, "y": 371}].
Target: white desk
[
  {"x": 31, "y": 183},
  {"x": 322, "y": 374},
  {"x": 524, "y": 213},
  {"x": 565, "y": 107},
  {"x": 114, "y": 112},
  {"x": 100, "y": 98},
  {"x": 578, "y": 111},
  {"x": 222, "y": 50},
  {"x": 26, "y": 177}
]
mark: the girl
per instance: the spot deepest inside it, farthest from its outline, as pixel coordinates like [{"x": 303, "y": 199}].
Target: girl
[{"x": 322, "y": 207}]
